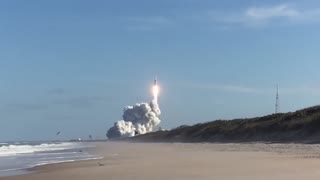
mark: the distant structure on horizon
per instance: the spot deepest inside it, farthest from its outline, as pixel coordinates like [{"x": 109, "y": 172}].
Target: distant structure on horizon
[{"x": 277, "y": 101}]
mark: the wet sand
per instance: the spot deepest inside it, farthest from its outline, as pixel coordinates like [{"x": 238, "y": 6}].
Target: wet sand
[{"x": 159, "y": 161}]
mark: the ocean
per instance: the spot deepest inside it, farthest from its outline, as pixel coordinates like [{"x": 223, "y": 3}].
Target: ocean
[{"x": 17, "y": 157}]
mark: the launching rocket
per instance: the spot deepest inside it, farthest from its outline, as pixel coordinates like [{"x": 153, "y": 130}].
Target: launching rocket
[
  {"x": 155, "y": 81},
  {"x": 155, "y": 89},
  {"x": 140, "y": 118}
]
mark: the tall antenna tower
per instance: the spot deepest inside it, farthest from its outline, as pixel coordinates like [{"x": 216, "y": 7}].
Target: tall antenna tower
[{"x": 277, "y": 101}]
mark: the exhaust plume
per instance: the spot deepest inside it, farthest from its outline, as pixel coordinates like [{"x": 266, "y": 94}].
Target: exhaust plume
[{"x": 138, "y": 119}]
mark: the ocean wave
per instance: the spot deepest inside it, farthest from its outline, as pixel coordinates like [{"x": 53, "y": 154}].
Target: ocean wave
[{"x": 9, "y": 150}]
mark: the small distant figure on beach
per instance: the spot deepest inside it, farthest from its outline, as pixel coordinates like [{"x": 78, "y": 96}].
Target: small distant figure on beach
[{"x": 100, "y": 164}]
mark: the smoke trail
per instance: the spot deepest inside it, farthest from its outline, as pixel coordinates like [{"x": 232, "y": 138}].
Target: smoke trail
[{"x": 138, "y": 119}]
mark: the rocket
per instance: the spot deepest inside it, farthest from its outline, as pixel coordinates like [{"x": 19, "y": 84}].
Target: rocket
[{"x": 155, "y": 81}]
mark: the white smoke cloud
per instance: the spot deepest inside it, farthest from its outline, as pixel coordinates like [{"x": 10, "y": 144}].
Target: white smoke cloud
[{"x": 138, "y": 119}]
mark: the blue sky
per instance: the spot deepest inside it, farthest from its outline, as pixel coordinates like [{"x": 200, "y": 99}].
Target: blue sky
[{"x": 72, "y": 66}]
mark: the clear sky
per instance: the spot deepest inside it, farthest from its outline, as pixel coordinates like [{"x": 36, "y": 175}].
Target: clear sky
[{"x": 72, "y": 65}]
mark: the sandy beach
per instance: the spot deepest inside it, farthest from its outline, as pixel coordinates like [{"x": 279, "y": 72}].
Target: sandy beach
[{"x": 144, "y": 161}]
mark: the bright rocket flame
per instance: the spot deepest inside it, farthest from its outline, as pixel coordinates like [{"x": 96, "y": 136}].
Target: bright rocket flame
[{"x": 155, "y": 91}]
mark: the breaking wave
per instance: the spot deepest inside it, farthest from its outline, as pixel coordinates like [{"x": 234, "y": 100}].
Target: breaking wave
[{"x": 9, "y": 150}]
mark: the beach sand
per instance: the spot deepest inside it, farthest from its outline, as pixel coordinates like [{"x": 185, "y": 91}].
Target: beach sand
[{"x": 160, "y": 161}]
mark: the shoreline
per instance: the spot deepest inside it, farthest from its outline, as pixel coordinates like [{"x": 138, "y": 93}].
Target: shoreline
[
  {"x": 189, "y": 161},
  {"x": 40, "y": 166},
  {"x": 26, "y": 163}
]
